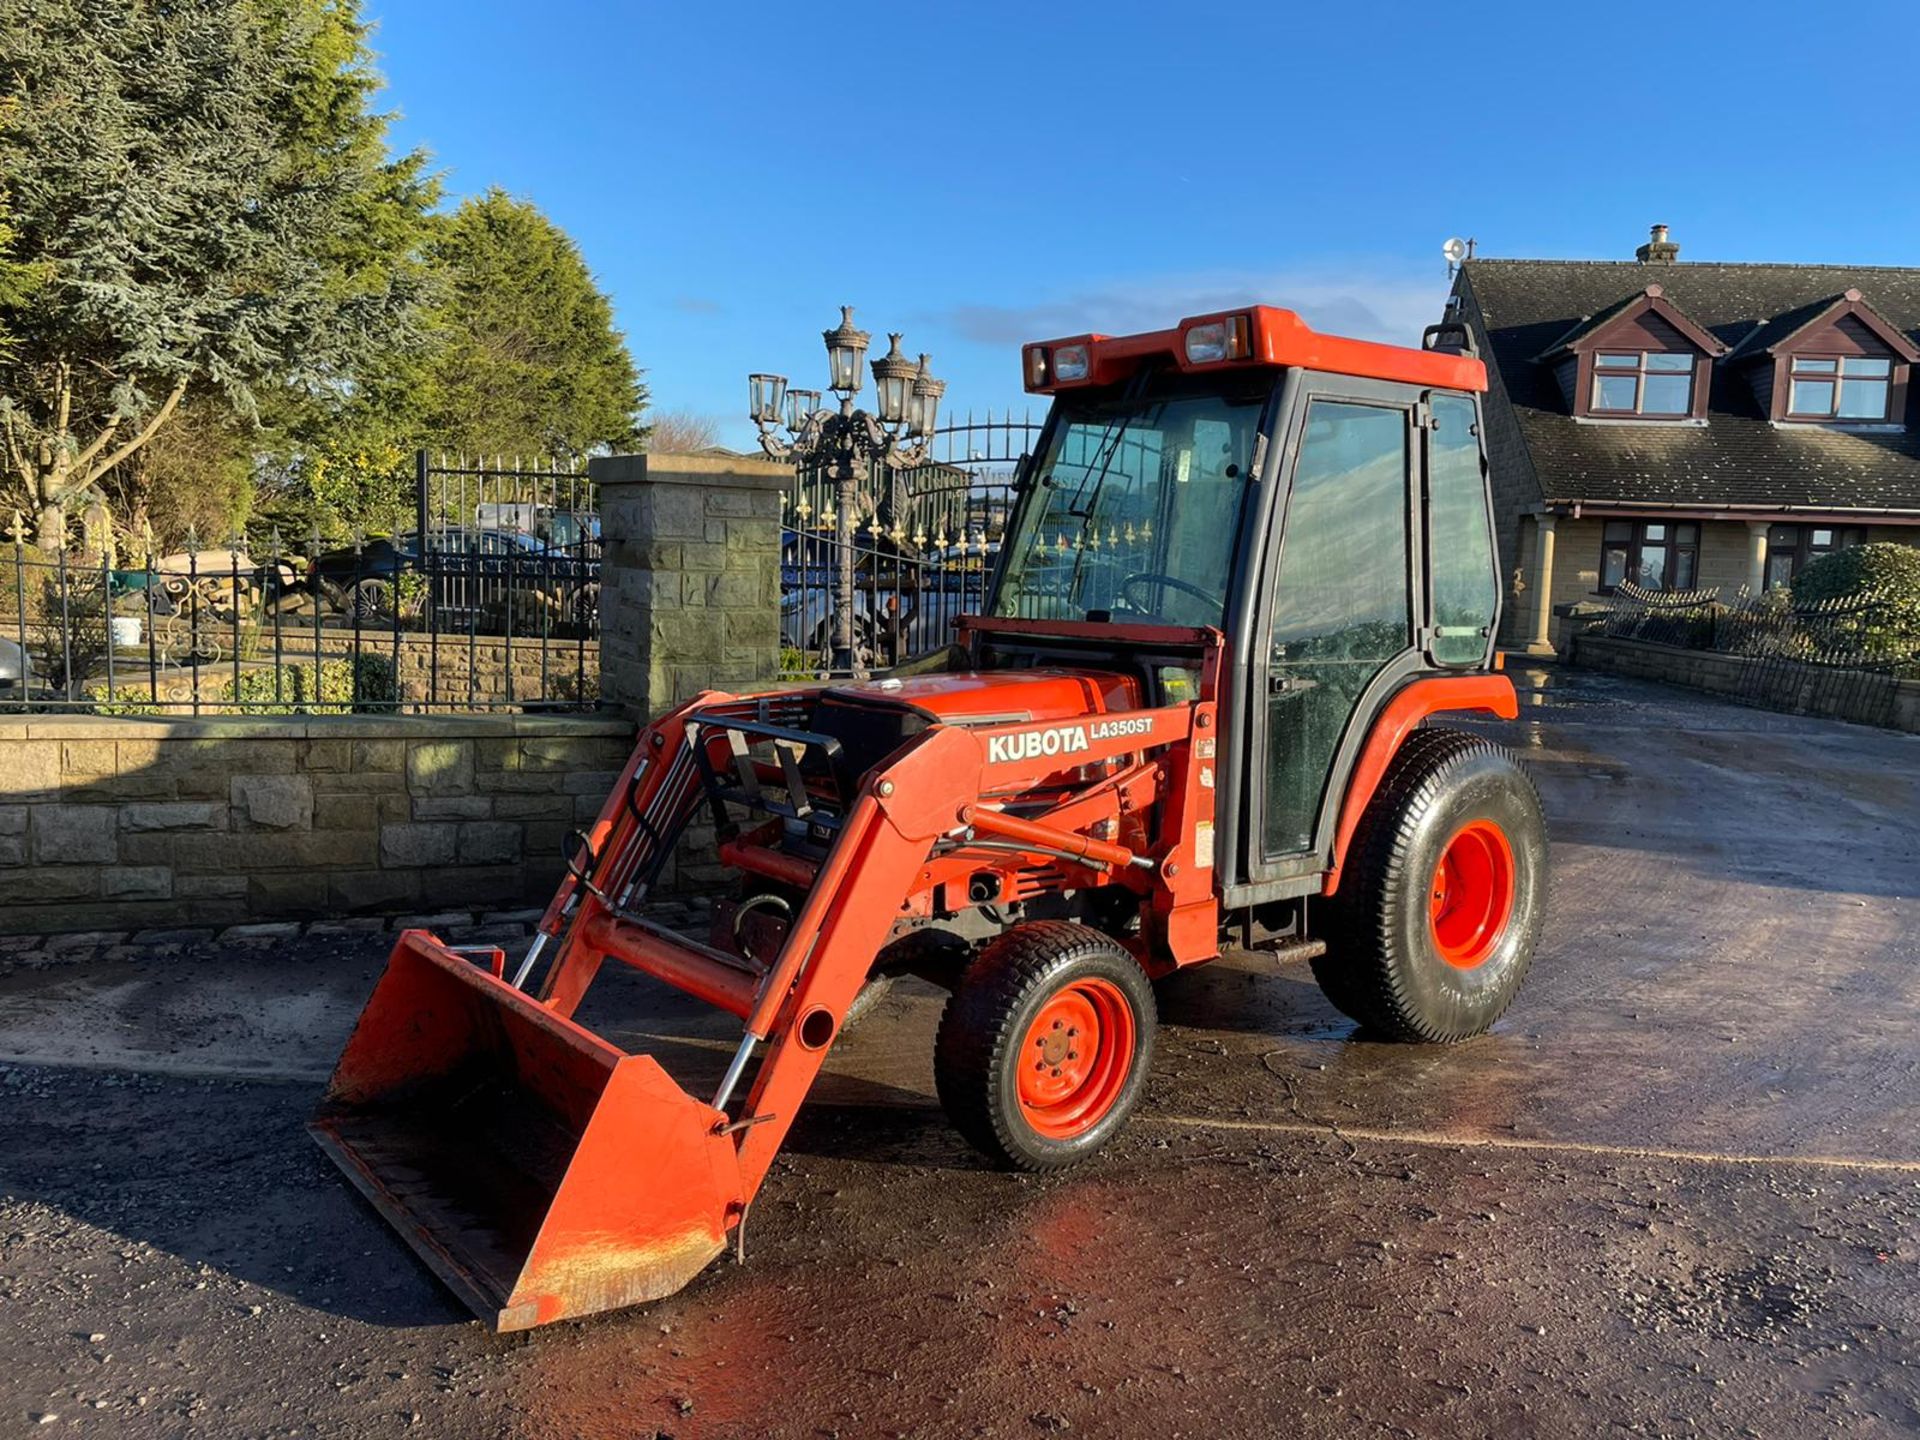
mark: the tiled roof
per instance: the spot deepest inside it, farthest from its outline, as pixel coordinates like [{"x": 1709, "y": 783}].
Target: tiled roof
[
  {"x": 1738, "y": 457},
  {"x": 1653, "y": 296},
  {"x": 1766, "y": 336},
  {"x": 1587, "y": 324}
]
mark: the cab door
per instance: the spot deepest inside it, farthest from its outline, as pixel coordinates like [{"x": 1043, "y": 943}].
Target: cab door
[{"x": 1340, "y": 617}]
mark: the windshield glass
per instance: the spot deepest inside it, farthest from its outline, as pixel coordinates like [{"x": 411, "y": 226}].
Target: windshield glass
[{"x": 1135, "y": 509}]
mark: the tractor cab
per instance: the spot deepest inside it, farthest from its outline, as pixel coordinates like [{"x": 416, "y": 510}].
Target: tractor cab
[{"x": 1322, "y": 502}]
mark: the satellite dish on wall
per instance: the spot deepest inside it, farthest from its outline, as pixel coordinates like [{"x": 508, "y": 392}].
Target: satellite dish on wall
[{"x": 1455, "y": 250}]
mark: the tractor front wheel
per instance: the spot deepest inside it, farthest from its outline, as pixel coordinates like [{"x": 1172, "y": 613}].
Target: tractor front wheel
[
  {"x": 1435, "y": 921},
  {"x": 1044, "y": 1045}
]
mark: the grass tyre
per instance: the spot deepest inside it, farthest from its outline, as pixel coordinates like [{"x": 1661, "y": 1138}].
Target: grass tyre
[
  {"x": 1435, "y": 922},
  {"x": 1044, "y": 1045}
]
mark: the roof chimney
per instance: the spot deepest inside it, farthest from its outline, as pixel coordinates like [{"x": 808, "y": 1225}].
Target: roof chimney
[{"x": 1659, "y": 250}]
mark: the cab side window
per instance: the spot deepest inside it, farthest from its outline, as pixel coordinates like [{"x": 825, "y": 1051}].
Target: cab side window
[{"x": 1459, "y": 537}]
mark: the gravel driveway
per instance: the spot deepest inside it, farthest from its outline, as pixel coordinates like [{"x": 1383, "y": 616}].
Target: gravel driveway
[{"x": 1675, "y": 1191}]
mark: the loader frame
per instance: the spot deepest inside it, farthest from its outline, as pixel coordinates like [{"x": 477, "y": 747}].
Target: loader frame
[{"x": 925, "y": 823}]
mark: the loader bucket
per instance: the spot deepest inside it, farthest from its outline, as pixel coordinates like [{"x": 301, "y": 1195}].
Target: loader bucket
[{"x": 541, "y": 1172}]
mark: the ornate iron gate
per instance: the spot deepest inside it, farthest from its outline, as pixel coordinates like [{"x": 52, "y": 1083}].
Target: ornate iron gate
[
  {"x": 924, "y": 542},
  {"x": 504, "y": 543}
]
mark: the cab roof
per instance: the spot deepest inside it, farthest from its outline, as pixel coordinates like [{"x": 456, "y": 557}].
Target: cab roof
[{"x": 1258, "y": 335}]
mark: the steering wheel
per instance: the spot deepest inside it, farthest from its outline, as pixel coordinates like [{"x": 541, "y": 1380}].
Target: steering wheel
[{"x": 1144, "y": 577}]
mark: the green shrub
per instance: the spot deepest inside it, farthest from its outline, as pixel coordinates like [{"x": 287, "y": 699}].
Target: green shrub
[
  {"x": 1891, "y": 572},
  {"x": 1889, "y": 629},
  {"x": 294, "y": 689},
  {"x": 102, "y": 705},
  {"x": 73, "y": 640}
]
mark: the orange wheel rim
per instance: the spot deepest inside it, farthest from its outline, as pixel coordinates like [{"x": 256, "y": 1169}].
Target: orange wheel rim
[
  {"x": 1472, "y": 898},
  {"x": 1073, "y": 1063}
]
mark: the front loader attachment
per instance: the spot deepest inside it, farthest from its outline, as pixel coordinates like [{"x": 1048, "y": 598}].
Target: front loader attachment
[
  {"x": 543, "y": 1172},
  {"x": 540, "y": 1171}
]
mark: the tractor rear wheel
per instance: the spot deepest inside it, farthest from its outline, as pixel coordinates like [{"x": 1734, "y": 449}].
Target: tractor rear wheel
[
  {"x": 1434, "y": 924},
  {"x": 1044, "y": 1045}
]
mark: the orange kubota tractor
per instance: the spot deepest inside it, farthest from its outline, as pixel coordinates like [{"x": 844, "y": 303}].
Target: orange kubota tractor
[{"x": 1247, "y": 564}]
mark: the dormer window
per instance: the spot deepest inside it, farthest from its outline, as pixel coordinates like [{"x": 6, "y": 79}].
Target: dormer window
[
  {"x": 1836, "y": 361},
  {"x": 1839, "y": 387},
  {"x": 1645, "y": 382},
  {"x": 1638, "y": 360}
]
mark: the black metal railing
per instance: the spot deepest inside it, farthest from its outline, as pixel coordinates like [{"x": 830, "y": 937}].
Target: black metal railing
[
  {"x": 1843, "y": 657},
  {"x": 1661, "y": 617},
  {"x": 375, "y": 625},
  {"x": 492, "y": 599}
]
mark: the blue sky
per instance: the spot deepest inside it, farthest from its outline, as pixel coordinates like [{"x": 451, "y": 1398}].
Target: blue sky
[{"x": 978, "y": 175}]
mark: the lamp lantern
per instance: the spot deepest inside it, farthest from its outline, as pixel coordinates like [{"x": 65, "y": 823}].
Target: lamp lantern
[
  {"x": 846, "y": 349},
  {"x": 893, "y": 376},
  {"x": 800, "y": 407},
  {"x": 926, "y": 399},
  {"x": 765, "y": 395}
]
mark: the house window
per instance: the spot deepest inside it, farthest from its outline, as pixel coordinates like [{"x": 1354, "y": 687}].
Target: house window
[
  {"x": 1642, "y": 382},
  {"x": 1653, "y": 554},
  {"x": 1791, "y": 548},
  {"x": 1831, "y": 387}
]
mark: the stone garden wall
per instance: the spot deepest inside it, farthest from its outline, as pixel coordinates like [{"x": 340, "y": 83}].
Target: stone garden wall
[
  {"x": 453, "y": 671},
  {"x": 484, "y": 669},
  {"x": 126, "y": 823},
  {"x": 1723, "y": 674}
]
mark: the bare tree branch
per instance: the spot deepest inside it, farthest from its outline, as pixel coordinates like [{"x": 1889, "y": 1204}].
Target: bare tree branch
[
  {"x": 17, "y": 456},
  {"x": 681, "y": 432},
  {"x": 79, "y": 461},
  {"x": 94, "y": 472}
]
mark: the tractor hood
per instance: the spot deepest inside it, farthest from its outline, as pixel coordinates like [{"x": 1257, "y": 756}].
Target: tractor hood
[
  {"x": 874, "y": 718},
  {"x": 1002, "y": 697}
]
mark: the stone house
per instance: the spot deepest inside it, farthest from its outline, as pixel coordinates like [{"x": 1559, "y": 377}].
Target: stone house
[{"x": 1689, "y": 424}]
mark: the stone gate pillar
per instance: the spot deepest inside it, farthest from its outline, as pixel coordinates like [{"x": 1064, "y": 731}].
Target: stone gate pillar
[{"x": 689, "y": 576}]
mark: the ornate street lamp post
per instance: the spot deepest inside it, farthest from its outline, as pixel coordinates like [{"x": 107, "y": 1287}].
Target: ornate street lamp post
[{"x": 846, "y": 440}]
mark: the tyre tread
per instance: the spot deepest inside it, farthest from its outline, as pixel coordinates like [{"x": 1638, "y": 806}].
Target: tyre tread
[{"x": 1363, "y": 973}]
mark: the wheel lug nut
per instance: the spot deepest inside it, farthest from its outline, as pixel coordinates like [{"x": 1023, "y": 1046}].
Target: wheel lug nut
[
  {"x": 1039, "y": 1064},
  {"x": 1071, "y": 1032},
  {"x": 1073, "y": 1054},
  {"x": 1056, "y": 1024},
  {"x": 1056, "y": 1073}
]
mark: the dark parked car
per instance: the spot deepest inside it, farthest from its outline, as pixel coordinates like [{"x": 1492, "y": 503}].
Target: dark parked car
[
  {"x": 361, "y": 578},
  {"x": 471, "y": 576},
  {"x": 483, "y": 575}
]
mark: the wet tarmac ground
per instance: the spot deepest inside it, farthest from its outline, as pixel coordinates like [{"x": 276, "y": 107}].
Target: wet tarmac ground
[{"x": 1676, "y": 1191}]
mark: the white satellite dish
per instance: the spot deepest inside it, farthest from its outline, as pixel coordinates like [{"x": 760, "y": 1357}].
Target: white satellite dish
[{"x": 1455, "y": 250}]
